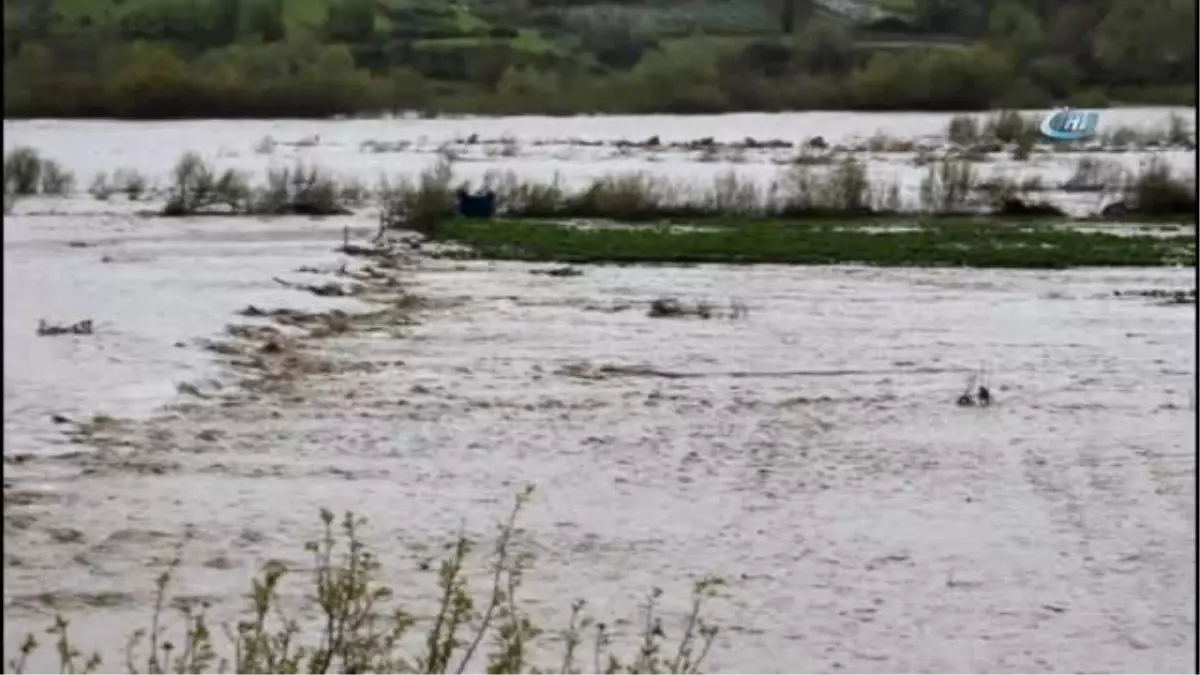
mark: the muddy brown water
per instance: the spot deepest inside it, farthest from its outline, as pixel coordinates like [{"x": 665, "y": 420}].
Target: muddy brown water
[{"x": 809, "y": 451}]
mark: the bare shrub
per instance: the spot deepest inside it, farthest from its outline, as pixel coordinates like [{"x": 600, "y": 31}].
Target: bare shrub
[
  {"x": 631, "y": 196},
  {"x": 419, "y": 205},
  {"x": 734, "y": 195},
  {"x": 843, "y": 189},
  {"x": 947, "y": 186},
  {"x": 22, "y": 171},
  {"x": 27, "y": 173},
  {"x": 197, "y": 187},
  {"x": 1155, "y": 189},
  {"x": 531, "y": 199},
  {"x": 1009, "y": 126},
  {"x": 1093, "y": 174},
  {"x": 55, "y": 179},
  {"x": 301, "y": 190},
  {"x": 962, "y": 130}
]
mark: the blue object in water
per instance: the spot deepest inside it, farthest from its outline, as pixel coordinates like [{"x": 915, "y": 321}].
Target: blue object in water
[{"x": 482, "y": 205}]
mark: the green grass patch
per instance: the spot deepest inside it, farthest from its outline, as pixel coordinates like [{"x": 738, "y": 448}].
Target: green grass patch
[{"x": 921, "y": 243}]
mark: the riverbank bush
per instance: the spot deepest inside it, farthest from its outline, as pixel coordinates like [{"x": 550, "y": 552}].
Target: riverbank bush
[
  {"x": 197, "y": 188},
  {"x": 357, "y": 632},
  {"x": 840, "y": 190}
]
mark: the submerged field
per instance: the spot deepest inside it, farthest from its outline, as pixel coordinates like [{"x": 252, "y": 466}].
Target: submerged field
[{"x": 805, "y": 446}]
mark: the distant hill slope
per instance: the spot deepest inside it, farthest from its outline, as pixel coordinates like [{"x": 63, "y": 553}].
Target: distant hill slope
[{"x": 716, "y": 16}]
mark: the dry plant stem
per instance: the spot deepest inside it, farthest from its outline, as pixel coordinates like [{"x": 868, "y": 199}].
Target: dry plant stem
[
  {"x": 353, "y": 637},
  {"x": 498, "y": 569}
]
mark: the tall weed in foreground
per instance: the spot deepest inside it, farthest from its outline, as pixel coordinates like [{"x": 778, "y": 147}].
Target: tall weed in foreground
[{"x": 358, "y": 634}]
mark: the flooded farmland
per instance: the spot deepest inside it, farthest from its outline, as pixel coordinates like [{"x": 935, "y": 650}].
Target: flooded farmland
[{"x": 807, "y": 449}]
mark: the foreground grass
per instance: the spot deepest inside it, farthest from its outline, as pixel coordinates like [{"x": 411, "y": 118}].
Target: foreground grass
[
  {"x": 358, "y": 633},
  {"x": 926, "y": 242}
]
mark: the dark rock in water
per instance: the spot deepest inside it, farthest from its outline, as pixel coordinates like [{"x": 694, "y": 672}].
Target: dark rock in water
[
  {"x": 817, "y": 143},
  {"x": 985, "y": 396},
  {"x": 79, "y": 328},
  {"x": 665, "y": 307},
  {"x": 310, "y": 209},
  {"x": 1115, "y": 209},
  {"x": 559, "y": 272},
  {"x": 1168, "y": 296},
  {"x": 1013, "y": 206}
]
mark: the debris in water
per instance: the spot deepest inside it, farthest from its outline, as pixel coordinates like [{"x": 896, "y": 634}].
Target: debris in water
[
  {"x": 79, "y": 328},
  {"x": 327, "y": 290},
  {"x": 670, "y": 307},
  {"x": 559, "y": 272}
]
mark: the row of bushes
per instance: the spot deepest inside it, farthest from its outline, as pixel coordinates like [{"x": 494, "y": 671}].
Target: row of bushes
[
  {"x": 151, "y": 81},
  {"x": 842, "y": 190}
]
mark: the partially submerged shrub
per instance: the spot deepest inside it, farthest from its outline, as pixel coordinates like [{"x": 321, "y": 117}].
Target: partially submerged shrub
[
  {"x": 55, "y": 179},
  {"x": 130, "y": 182},
  {"x": 1179, "y": 132},
  {"x": 302, "y": 190},
  {"x": 422, "y": 204},
  {"x": 196, "y": 187},
  {"x": 359, "y": 634},
  {"x": 100, "y": 187},
  {"x": 22, "y": 171},
  {"x": 1093, "y": 174},
  {"x": 298, "y": 190},
  {"x": 1023, "y": 147},
  {"x": 630, "y": 196},
  {"x": 28, "y": 173},
  {"x": 1009, "y": 126},
  {"x": 1155, "y": 190},
  {"x": 527, "y": 198},
  {"x": 962, "y": 130},
  {"x": 947, "y": 186}
]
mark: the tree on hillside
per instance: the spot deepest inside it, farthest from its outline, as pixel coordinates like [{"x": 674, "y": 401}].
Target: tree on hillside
[
  {"x": 265, "y": 18},
  {"x": 1139, "y": 41},
  {"x": 794, "y": 13},
  {"x": 350, "y": 21}
]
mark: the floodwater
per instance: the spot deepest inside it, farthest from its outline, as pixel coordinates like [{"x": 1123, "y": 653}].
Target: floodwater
[
  {"x": 549, "y": 147},
  {"x": 809, "y": 452}
]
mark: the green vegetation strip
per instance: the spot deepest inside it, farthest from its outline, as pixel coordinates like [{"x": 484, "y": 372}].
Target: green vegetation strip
[{"x": 930, "y": 243}]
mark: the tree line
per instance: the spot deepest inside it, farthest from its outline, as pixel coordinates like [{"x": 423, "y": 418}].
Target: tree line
[{"x": 249, "y": 58}]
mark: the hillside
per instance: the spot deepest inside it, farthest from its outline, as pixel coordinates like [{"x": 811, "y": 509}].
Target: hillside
[{"x": 500, "y": 55}]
